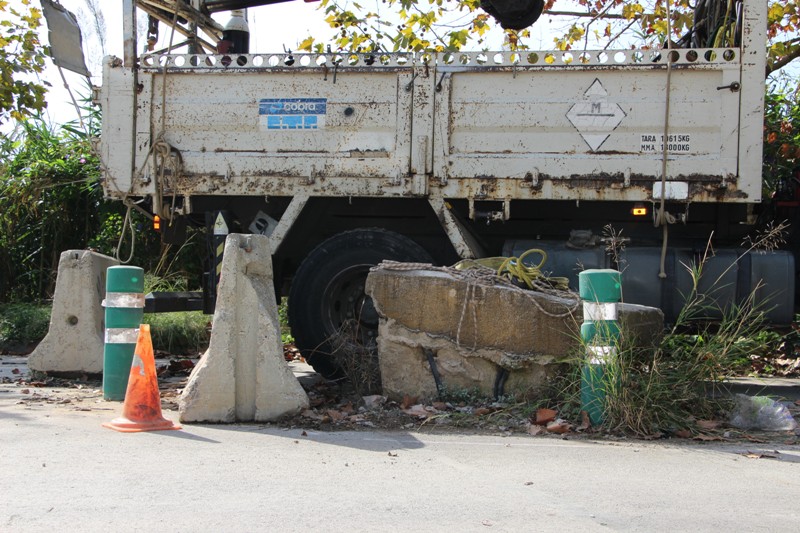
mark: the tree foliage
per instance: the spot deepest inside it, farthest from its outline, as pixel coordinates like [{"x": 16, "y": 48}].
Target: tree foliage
[
  {"x": 21, "y": 59},
  {"x": 49, "y": 202},
  {"x": 784, "y": 33},
  {"x": 449, "y": 25},
  {"x": 781, "y": 138}
]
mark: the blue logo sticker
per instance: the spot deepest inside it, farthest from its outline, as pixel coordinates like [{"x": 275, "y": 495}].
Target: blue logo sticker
[{"x": 292, "y": 113}]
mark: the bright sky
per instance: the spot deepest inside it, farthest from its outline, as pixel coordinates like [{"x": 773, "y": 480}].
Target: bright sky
[
  {"x": 271, "y": 29},
  {"x": 293, "y": 21}
]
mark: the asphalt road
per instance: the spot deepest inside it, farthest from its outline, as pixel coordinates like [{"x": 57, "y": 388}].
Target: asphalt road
[{"x": 62, "y": 471}]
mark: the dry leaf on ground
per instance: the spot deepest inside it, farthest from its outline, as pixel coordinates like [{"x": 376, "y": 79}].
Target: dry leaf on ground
[
  {"x": 417, "y": 410},
  {"x": 335, "y": 415},
  {"x": 544, "y": 416},
  {"x": 761, "y": 455},
  {"x": 536, "y": 430},
  {"x": 559, "y": 426},
  {"x": 707, "y": 438},
  {"x": 586, "y": 422},
  {"x": 408, "y": 401}
]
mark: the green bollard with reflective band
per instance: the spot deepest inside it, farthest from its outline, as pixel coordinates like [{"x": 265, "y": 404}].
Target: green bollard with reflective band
[
  {"x": 124, "y": 305},
  {"x": 600, "y": 290},
  {"x": 593, "y": 392},
  {"x": 601, "y": 285}
]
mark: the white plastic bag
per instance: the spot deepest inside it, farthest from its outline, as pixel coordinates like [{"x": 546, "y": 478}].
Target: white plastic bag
[{"x": 761, "y": 412}]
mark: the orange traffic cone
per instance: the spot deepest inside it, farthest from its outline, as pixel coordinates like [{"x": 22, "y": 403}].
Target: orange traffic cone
[{"x": 142, "y": 408}]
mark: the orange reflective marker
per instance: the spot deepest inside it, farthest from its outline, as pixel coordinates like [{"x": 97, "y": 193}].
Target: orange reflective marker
[
  {"x": 142, "y": 408},
  {"x": 157, "y": 223}
]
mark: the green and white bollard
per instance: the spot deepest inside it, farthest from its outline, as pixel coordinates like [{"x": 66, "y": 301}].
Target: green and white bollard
[
  {"x": 124, "y": 305},
  {"x": 600, "y": 290}
]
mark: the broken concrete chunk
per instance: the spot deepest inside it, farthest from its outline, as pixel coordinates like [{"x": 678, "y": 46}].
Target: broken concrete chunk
[
  {"x": 439, "y": 330},
  {"x": 439, "y": 327},
  {"x": 475, "y": 315},
  {"x": 643, "y": 325}
]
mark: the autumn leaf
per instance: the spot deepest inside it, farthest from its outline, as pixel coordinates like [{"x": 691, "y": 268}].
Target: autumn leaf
[
  {"x": 408, "y": 401},
  {"x": 536, "y": 430},
  {"x": 707, "y": 438},
  {"x": 543, "y": 416},
  {"x": 306, "y": 44},
  {"x": 586, "y": 422},
  {"x": 559, "y": 426}
]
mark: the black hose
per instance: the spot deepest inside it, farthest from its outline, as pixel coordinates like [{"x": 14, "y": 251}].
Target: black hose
[
  {"x": 500, "y": 382},
  {"x": 437, "y": 378}
]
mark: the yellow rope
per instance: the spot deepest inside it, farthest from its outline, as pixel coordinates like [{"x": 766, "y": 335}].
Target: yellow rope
[{"x": 515, "y": 270}]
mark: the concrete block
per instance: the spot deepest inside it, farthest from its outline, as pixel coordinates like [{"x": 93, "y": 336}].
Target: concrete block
[
  {"x": 474, "y": 315},
  {"x": 243, "y": 375},
  {"x": 74, "y": 342},
  {"x": 480, "y": 334},
  {"x": 644, "y": 325},
  {"x": 476, "y": 334},
  {"x": 405, "y": 368}
]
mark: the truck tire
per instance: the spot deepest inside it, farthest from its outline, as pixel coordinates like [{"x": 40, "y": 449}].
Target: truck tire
[{"x": 327, "y": 292}]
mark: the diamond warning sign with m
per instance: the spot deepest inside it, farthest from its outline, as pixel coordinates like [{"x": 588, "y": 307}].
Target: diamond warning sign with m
[
  {"x": 292, "y": 113},
  {"x": 596, "y": 117}
]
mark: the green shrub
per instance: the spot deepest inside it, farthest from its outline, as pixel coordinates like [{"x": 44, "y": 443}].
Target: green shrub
[
  {"x": 283, "y": 318},
  {"x": 23, "y": 324},
  {"x": 49, "y": 202}
]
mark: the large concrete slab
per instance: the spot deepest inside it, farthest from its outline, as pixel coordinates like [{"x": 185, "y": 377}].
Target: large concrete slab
[
  {"x": 243, "y": 375},
  {"x": 74, "y": 342},
  {"x": 470, "y": 335},
  {"x": 473, "y": 314},
  {"x": 642, "y": 325},
  {"x": 492, "y": 338}
]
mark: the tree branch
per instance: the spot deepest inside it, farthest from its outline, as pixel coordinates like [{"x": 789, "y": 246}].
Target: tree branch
[
  {"x": 594, "y": 18},
  {"x": 583, "y": 14},
  {"x": 782, "y": 62},
  {"x": 617, "y": 36}
]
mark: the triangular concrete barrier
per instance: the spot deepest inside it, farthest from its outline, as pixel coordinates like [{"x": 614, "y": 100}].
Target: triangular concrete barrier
[
  {"x": 74, "y": 342},
  {"x": 243, "y": 375}
]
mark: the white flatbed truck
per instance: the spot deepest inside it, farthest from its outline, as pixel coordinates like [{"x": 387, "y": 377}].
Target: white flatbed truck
[{"x": 347, "y": 159}]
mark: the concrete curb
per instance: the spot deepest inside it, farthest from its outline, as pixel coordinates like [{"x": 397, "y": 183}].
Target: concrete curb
[{"x": 787, "y": 389}]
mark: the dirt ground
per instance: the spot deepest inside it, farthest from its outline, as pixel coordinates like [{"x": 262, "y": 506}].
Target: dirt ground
[{"x": 335, "y": 407}]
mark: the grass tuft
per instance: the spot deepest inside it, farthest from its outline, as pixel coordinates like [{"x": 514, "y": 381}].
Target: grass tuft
[
  {"x": 358, "y": 363},
  {"x": 283, "y": 319},
  {"x": 183, "y": 333},
  {"x": 662, "y": 389}
]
